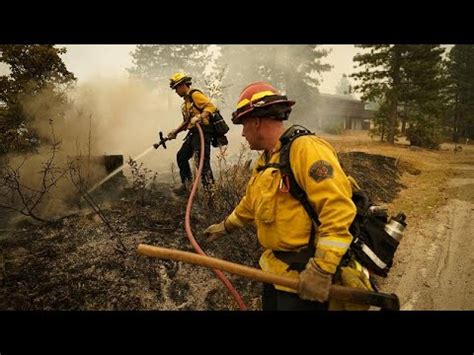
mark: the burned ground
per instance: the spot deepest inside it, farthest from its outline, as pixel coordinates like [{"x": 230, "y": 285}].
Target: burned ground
[
  {"x": 74, "y": 264},
  {"x": 378, "y": 175}
]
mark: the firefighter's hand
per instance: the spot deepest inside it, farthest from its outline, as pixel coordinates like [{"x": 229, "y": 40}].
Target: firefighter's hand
[
  {"x": 172, "y": 135},
  {"x": 215, "y": 231},
  {"x": 195, "y": 119},
  {"x": 314, "y": 283}
]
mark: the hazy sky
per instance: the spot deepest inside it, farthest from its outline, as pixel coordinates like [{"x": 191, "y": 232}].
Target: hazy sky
[
  {"x": 96, "y": 61},
  {"x": 341, "y": 60},
  {"x": 93, "y": 61}
]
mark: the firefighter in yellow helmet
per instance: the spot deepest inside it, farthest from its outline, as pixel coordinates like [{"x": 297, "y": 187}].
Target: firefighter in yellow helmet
[
  {"x": 196, "y": 107},
  {"x": 283, "y": 226}
]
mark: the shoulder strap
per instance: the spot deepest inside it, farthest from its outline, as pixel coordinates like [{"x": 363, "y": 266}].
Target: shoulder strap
[
  {"x": 270, "y": 165},
  {"x": 284, "y": 166},
  {"x": 295, "y": 190}
]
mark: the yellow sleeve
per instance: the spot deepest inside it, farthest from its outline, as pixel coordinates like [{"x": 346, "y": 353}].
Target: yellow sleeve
[
  {"x": 318, "y": 172},
  {"x": 203, "y": 102}
]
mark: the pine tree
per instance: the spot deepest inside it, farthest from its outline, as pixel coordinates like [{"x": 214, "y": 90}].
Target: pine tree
[
  {"x": 343, "y": 87},
  {"x": 407, "y": 80},
  {"x": 380, "y": 80},
  {"x": 461, "y": 91},
  {"x": 424, "y": 94},
  {"x": 292, "y": 69},
  {"x": 156, "y": 63}
]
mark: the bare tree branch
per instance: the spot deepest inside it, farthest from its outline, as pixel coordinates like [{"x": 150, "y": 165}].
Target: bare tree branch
[{"x": 25, "y": 199}]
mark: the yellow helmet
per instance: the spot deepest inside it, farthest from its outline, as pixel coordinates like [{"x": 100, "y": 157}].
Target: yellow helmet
[{"x": 179, "y": 78}]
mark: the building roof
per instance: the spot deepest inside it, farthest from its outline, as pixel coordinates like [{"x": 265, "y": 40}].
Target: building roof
[{"x": 340, "y": 97}]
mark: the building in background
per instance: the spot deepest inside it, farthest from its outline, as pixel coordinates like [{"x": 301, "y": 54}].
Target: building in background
[{"x": 341, "y": 112}]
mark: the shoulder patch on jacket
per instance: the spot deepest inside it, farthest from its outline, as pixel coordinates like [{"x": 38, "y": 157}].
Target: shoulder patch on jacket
[{"x": 321, "y": 170}]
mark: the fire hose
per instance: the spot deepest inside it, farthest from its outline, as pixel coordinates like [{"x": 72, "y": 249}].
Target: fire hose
[
  {"x": 189, "y": 233},
  {"x": 341, "y": 293}
]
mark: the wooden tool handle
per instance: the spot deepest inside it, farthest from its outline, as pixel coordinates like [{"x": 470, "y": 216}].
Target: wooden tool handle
[
  {"x": 341, "y": 293},
  {"x": 220, "y": 264}
]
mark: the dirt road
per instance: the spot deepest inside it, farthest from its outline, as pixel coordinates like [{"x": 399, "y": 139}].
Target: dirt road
[{"x": 434, "y": 267}]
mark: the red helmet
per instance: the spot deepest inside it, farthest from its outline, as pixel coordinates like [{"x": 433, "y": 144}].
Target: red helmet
[{"x": 258, "y": 95}]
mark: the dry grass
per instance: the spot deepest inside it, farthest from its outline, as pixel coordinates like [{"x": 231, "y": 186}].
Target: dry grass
[
  {"x": 424, "y": 172},
  {"x": 230, "y": 183}
]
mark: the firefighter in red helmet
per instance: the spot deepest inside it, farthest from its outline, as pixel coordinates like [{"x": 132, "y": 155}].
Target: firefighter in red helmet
[{"x": 283, "y": 226}]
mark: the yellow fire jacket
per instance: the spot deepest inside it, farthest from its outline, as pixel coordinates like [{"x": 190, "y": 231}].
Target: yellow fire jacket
[
  {"x": 281, "y": 221},
  {"x": 202, "y": 102}
]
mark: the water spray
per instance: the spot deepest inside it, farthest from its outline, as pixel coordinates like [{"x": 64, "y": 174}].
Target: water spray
[
  {"x": 119, "y": 169},
  {"x": 138, "y": 157}
]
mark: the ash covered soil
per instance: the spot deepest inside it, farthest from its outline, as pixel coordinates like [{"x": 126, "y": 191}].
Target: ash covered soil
[{"x": 75, "y": 264}]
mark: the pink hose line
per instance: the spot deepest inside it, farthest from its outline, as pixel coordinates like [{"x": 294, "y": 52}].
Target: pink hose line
[{"x": 189, "y": 233}]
